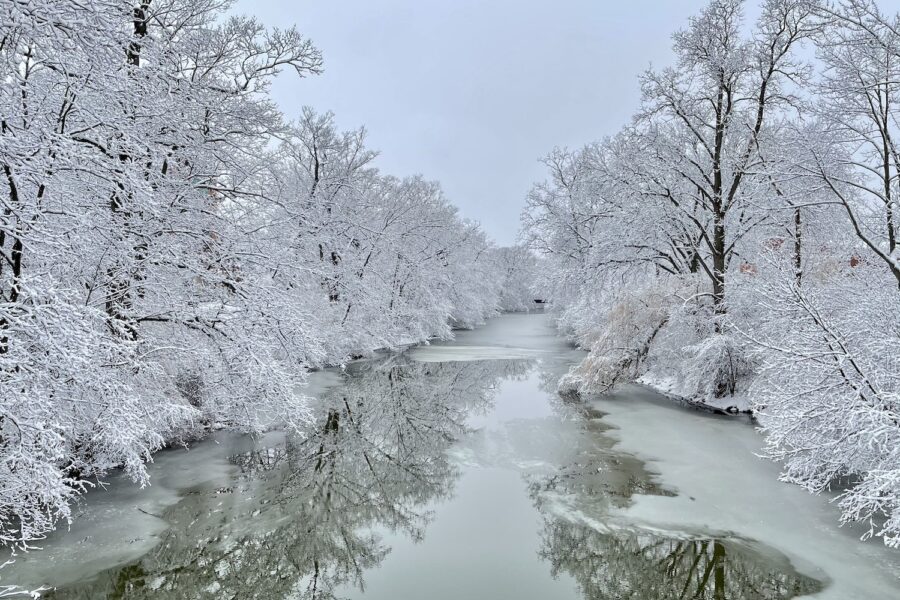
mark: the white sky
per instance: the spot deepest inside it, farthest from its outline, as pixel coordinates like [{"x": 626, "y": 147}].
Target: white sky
[{"x": 472, "y": 93}]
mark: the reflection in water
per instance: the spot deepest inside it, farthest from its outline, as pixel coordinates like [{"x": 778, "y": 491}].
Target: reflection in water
[
  {"x": 310, "y": 517},
  {"x": 607, "y": 561},
  {"x": 631, "y": 565},
  {"x": 298, "y": 519},
  {"x": 596, "y": 475}
]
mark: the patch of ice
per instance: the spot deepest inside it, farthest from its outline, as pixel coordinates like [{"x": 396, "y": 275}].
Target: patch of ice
[
  {"x": 723, "y": 486},
  {"x": 96, "y": 542},
  {"x": 456, "y": 353}
]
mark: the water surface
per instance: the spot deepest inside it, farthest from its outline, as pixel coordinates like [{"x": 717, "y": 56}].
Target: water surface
[{"x": 449, "y": 471}]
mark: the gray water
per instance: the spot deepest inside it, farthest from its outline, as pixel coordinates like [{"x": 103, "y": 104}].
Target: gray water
[{"x": 449, "y": 471}]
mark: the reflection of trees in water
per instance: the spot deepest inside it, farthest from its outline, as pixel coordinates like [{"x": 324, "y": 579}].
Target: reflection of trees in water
[
  {"x": 298, "y": 519},
  {"x": 551, "y": 369},
  {"x": 625, "y": 565},
  {"x": 594, "y": 473}
]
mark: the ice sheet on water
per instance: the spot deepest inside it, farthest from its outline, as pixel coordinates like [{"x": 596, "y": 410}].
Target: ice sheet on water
[
  {"x": 740, "y": 493},
  {"x": 472, "y": 353},
  {"x": 524, "y": 336},
  {"x": 319, "y": 382},
  {"x": 121, "y": 522}
]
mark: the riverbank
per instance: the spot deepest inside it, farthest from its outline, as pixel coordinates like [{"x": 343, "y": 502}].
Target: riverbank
[{"x": 729, "y": 405}]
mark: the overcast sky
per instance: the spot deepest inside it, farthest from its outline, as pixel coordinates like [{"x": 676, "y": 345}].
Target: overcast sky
[{"x": 473, "y": 92}]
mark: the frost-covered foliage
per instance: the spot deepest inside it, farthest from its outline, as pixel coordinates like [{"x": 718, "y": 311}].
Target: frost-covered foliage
[
  {"x": 828, "y": 395},
  {"x": 175, "y": 254},
  {"x": 518, "y": 268},
  {"x": 376, "y": 261},
  {"x": 737, "y": 244},
  {"x": 620, "y": 341},
  {"x": 124, "y": 132}
]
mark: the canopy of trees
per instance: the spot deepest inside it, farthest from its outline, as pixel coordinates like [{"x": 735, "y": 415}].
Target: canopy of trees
[
  {"x": 175, "y": 254},
  {"x": 737, "y": 243}
]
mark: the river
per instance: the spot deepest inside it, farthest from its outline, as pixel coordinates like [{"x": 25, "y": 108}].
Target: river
[{"x": 455, "y": 471}]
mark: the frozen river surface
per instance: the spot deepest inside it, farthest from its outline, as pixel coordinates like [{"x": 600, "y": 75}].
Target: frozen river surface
[{"x": 454, "y": 471}]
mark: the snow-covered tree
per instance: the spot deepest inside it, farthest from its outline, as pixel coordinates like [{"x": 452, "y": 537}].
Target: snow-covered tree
[
  {"x": 828, "y": 394},
  {"x": 736, "y": 244},
  {"x": 175, "y": 254},
  {"x": 518, "y": 269}
]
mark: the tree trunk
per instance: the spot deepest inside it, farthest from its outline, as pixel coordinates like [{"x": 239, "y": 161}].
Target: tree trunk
[
  {"x": 719, "y": 558},
  {"x": 133, "y": 54},
  {"x": 798, "y": 247},
  {"x": 718, "y": 261},
  {"x": 15, "y": 256}
]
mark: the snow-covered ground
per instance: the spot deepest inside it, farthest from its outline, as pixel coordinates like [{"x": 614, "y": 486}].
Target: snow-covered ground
[{"x": 670, "y": 387}]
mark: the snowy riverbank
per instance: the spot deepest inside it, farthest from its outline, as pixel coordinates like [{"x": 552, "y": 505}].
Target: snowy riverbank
[{"x": 668, "y": 387}]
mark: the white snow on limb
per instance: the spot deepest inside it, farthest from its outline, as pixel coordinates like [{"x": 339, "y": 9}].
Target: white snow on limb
[
  {"x": 828, "y": 396},
  {"x": 671, "y": 388},
  {"x": 519, "y": 268},
  {"x": 743, "y": 254},
  {"x": 648, "y": 335},
  {"x": 895, "y": 258},
  {"x": 716, "y": 366},
  {"x": 175, "y": 255},
  {"x": 619, "y": 347}
]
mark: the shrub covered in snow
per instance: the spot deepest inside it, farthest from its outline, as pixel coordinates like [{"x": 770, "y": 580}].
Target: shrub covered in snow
[{"x": 618, "y": 348}]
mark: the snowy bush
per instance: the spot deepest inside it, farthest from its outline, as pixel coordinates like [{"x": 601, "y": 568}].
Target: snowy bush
[
  {"x": 618, "y": 347},
  {"x": 715, "y": 367}
]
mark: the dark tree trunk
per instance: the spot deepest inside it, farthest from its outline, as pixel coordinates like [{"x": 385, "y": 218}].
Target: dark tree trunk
[
  {"x": 133, "y": 54},
  {"x": 798, "y": 247},
  {"x": 719, "y": 265}
]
